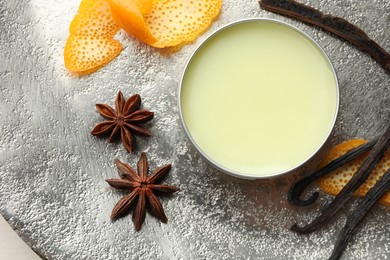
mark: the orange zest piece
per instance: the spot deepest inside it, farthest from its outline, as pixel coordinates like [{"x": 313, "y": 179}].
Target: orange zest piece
[
  {"x": 165, "y": 23},
  {"x": 335, "y": 181},
  {"x": 94, "y": 18},
  {"x": 159, "y": 23},
  {"x": 174, "y": 22},
  {"x": 90, "y": 44},
  {"x": 85, "y": 54}
]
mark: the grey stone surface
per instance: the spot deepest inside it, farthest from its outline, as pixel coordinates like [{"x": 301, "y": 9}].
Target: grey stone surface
[{"x": 52, "y": 171}]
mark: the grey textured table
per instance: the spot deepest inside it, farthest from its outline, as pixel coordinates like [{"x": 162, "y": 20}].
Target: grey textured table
[{"x": 52, "y": 170}]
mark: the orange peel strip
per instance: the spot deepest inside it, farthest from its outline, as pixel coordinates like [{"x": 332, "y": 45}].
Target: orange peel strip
[
  {"x": 94, "y": 18},
  {"x": 165, "y": 23},
  {"x": 159, "y": 23},
  {"x": 174, "y": 22},
  {"x": 84, "y": 54},
  {"x": 334, "y": 182},
  {"x": 90, "y": 44}
]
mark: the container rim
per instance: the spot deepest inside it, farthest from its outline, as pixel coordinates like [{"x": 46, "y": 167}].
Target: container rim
[{"x": 233, "y": 172}]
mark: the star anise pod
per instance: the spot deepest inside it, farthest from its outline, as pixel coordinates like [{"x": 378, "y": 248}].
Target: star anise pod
[
  {"x": 142, "y": 191},
  {"x": 125, "y": 118}
]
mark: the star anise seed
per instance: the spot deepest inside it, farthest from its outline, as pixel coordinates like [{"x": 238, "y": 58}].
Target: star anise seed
[
  {"x": 124, "y": 119},
  {"x": 142, "y": 188}
]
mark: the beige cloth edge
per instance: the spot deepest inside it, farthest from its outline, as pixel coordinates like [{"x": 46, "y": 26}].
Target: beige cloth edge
[{"x": 12, "y": 247}]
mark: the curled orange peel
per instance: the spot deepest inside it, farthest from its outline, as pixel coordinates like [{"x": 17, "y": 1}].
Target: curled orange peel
[
  {"x": 165, "y": 23},
  {"x": 158, "y": 23},
  {"x": 85, "y": 54},
  {"x": 90, "y": 44},
  {"x": 335, "y": 181},
  {"x": 174, "y": 22}
]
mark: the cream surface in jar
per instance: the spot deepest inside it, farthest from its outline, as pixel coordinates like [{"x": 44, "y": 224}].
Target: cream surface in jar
[{"x": 258, "y": 98}]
